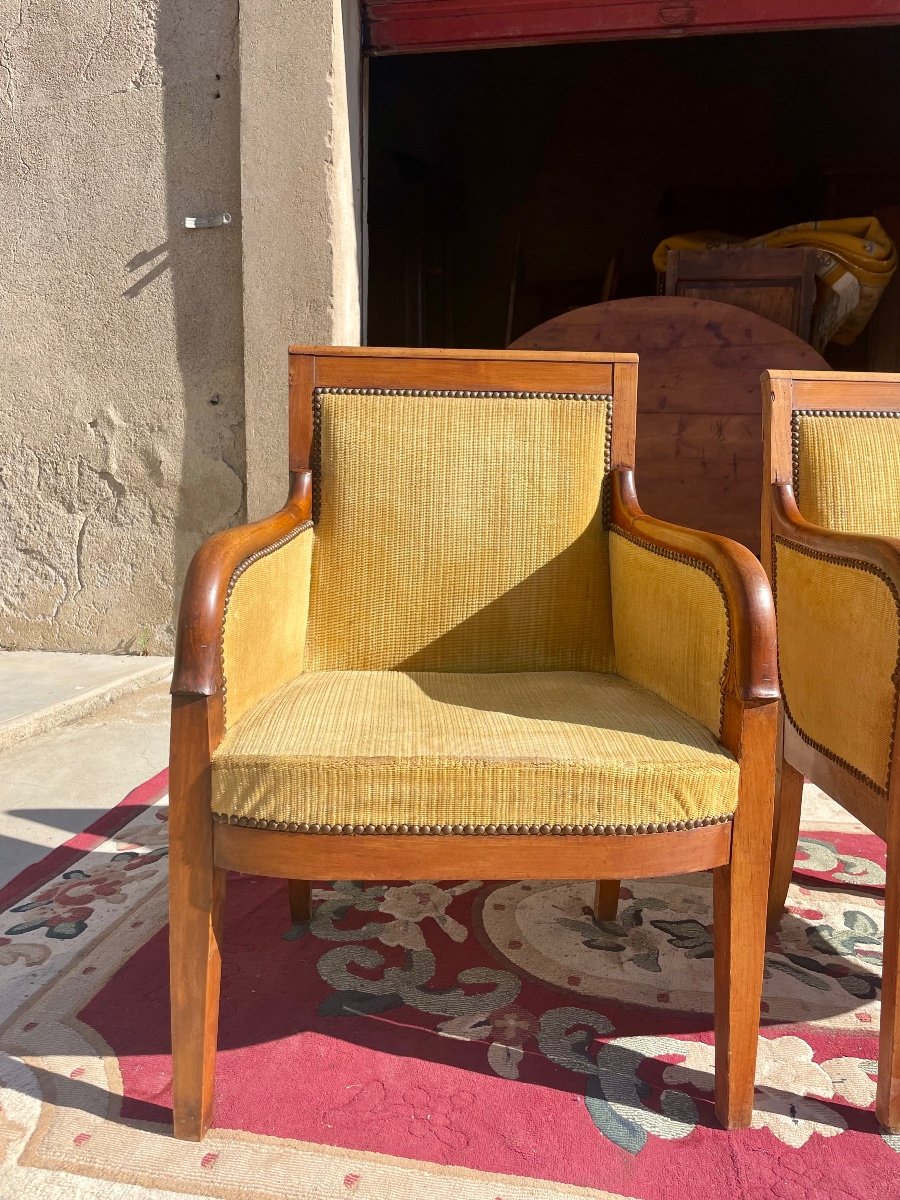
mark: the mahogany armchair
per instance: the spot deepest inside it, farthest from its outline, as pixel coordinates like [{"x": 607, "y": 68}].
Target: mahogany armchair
[
  {"x": 831, "y": 541},
  {"x": 460, "y": 650}
]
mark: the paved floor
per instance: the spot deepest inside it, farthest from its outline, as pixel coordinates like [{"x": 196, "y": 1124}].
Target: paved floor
[
  {"x": 40, "y": 690},
  {"x": 56, "y": 783}
]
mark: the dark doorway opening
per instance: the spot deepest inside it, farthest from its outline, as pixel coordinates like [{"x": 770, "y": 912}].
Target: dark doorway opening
[{"x": 508, "y": 186}]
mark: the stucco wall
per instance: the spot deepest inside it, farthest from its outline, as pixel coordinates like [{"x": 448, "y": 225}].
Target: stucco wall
[
  {"x": 125, "y": 433},
  {"x": 302, "y": 205},
  {"x": 121, "y": 365}
]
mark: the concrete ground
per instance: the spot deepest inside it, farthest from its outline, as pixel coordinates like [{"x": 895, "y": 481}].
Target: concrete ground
[
  {"x": 39, "y": 691},
  {"x": 54, "y": 784}
]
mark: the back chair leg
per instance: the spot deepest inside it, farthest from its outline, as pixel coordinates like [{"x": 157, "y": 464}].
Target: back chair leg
[
  {"x": 606, "y": 899},
  {"x": 788, "y": 800},
  {"x": 887, "y": 1099},
  {"x": 739, "y": 923},
  {"x": 299, "y": 900}
]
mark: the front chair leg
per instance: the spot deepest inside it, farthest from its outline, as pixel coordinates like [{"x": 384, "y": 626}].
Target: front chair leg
[
  {"x": 606, "y": 899},
  {"x": 196, "y": 902},
  {"x": 739, "y": 923},
  {"x": 887, "y": 1099},
  {"x": 789, "y": 798},
  {"x": 195, "y": 956}
]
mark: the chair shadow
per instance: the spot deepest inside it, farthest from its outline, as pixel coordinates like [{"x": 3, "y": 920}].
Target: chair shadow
[
  {"x": 272, "y": 1004},
  {"x": 63, "y": 1091}
]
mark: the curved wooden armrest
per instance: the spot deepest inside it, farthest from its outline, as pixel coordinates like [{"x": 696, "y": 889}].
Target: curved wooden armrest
[
  {"x": 198, "y": 671},
  {"x": 753, "y": 670},
  {"x": 882, "y": 553}
]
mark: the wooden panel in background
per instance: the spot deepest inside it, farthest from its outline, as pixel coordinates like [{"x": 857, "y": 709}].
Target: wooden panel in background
[
  {"x": 408, "y": 26},
  {"x": 699, "y": 431},
  {"x": 777, "y": 284}
]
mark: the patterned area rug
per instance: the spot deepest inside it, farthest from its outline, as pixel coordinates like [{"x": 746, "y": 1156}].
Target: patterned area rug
[{"x": 435, "y": 1041}]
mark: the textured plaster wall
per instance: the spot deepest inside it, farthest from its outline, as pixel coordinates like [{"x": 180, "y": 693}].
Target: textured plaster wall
[
  {"x": 301, "y": 199},
  {"x": 121, "y": 365}
]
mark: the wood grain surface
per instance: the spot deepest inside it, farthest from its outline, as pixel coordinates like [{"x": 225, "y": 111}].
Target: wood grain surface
[{"x": 699, "y": 430}]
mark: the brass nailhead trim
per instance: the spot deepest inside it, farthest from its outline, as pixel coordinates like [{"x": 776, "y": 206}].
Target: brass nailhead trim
[
  {"x": 462, "y": 394},
  {"x": 853, "y": 565},
  {"x": 822, "y": 412},
  {"x": 443, "y": 393},
  {"x": 469, "y": 830},
  {"x": 606, "y": 485},
  {"x": 235, "y": 576},
  {"x": 700, "y": 565}
]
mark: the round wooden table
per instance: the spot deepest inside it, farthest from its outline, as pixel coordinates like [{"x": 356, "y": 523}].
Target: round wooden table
[{"x": 699, "y": 433}]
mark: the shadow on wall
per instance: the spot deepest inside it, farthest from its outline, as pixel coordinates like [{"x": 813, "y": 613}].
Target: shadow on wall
[{"x": 197, "y": 52}]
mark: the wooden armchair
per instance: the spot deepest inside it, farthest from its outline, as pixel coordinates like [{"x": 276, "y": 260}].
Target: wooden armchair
[
  {"x": 831, "y": 541},
  {"x": 459, "y": 650}
]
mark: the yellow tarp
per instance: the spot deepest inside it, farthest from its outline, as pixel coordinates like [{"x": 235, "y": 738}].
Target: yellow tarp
[{"x": 855, "y": 264}]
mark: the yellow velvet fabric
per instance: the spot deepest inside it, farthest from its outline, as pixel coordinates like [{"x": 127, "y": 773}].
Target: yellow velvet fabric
[
  {"x": 265, "y": 624},
  {"x": 848, "y": 473},
  {"x": 670, "y": 628},
  {"x": 460, "y": 533},
  {"x": 838, "y": 635},
  {"x": 445, "y": 748}
]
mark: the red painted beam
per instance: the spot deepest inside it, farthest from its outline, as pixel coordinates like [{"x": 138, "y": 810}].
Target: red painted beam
[{"x": 410, "y": 26}]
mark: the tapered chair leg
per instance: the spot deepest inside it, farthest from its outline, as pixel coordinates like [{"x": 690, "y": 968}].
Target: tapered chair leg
[
  {"x": 196, "y": 901},
  {"x": 788, "y": 801},
  {"x": 887, "y": 1099},
  {"x": 299, "y": 899},
  {"x": 739, "y": 924},
  {"x": 606, "y": 899},
  {"x": 195, "y": 933}
]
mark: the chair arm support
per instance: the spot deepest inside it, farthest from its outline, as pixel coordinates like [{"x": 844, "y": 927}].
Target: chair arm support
[
  {"x": 882, "y": 553},
  {"x": 752, "y": 670},
  {"x": 198, "y": 666},
  {"x": 838, "y": 598}
]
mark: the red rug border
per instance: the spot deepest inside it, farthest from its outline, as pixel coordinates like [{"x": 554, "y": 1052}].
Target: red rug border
[{"x": 66, "y": 855}]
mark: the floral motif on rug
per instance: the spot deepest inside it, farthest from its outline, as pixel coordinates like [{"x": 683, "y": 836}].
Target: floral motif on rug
[{"x": 490, "y": 1041}]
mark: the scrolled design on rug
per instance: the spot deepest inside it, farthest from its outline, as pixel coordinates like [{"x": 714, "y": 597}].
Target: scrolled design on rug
[
  {"x": 405, "y": 985},
  {"x": 629, "y": 1100},
  {"x": 505, "y": 1031}
]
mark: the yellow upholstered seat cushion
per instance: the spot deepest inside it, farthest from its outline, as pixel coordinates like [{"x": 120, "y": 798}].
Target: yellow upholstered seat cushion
[{"x": 532, "y": 749}]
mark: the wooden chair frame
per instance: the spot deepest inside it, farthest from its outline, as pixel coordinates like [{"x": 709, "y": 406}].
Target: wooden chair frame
[
  {"x": 202, "y": 852},
  {"x": 785, "y": 393}
]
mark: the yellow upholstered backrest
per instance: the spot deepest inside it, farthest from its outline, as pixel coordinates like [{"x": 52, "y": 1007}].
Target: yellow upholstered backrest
[
  {"x": 847, "y": 471},
  {"x": 459, "y": 531}
]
